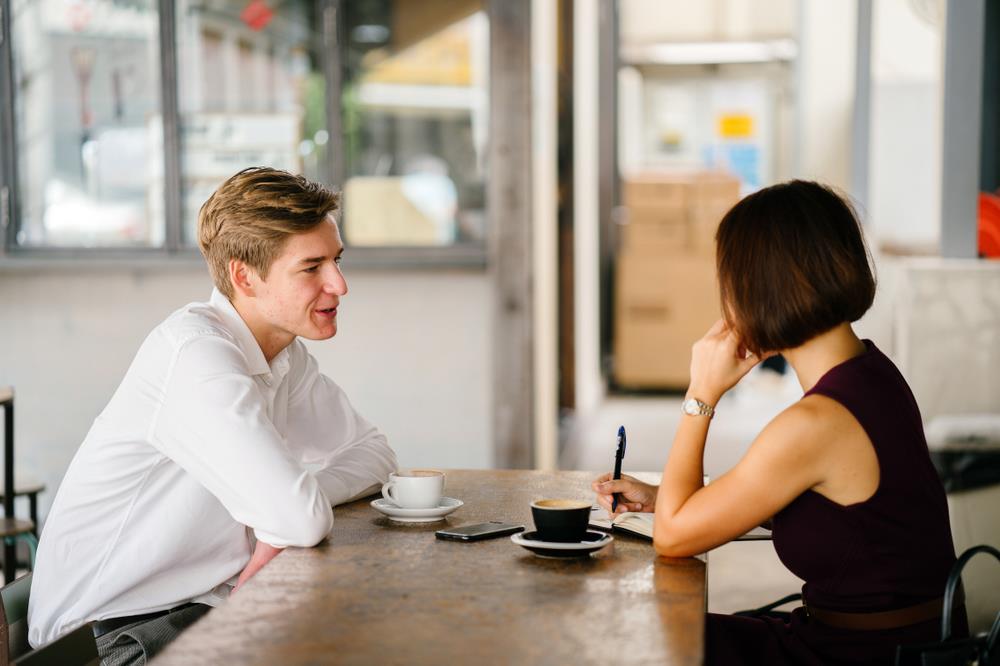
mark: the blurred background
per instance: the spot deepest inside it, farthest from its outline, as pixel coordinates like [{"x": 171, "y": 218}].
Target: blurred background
[{"x": 530, "y": 193}]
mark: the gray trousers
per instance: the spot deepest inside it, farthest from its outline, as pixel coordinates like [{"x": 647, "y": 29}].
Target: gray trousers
[{"x": 135, "y": 644}]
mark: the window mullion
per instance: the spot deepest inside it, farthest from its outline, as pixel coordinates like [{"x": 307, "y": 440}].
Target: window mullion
[
  {"x": 171, "y": 127},
  {"x": 330, "y": 11},
  {"x": 8, "y": 173}
]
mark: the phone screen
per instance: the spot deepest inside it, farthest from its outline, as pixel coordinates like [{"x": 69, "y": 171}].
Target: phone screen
[{"x": 479, "y": 531}]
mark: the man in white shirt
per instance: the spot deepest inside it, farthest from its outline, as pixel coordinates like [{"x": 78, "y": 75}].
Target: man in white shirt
[{"x": 222, "y": 445}]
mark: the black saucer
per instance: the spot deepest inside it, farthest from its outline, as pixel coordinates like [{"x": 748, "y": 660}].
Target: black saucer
[{"x": 592, "y": 542}]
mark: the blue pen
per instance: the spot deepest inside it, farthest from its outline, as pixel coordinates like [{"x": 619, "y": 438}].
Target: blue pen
[{"x": 619, "y": 454}]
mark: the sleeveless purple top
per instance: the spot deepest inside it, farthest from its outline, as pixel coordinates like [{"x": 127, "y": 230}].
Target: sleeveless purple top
[{"x": 894, "y": 549}]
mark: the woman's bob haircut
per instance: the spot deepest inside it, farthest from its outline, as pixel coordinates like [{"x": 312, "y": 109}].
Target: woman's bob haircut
[{"x": 792, "y": 264}]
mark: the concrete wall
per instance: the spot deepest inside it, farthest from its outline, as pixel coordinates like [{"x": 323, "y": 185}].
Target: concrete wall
[
  {"x": 651, "y": 21},
  {"x": 413, "y": 353},
  {"x": 905, "y": 167},
  {"x": 827, "y": 37}
]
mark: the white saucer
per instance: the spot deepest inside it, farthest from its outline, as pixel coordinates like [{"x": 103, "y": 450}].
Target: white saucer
[
  {"x": 444, "y": 507},
  {"x": 591, "y": 543}
]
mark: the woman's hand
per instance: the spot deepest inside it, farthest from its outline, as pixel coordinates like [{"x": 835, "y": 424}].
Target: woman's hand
[
  {"x": 635, "y": 495},
  {"x": 718, "y": 361}
]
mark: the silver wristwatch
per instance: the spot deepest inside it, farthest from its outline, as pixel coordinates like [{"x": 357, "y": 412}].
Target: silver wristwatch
[{"x": 695, "y": 407}]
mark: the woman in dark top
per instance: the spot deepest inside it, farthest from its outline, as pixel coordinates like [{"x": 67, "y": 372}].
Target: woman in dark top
[{"x": 844, "y": 474}]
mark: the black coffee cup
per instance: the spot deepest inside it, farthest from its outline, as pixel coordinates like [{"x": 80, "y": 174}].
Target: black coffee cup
[{"x": 560, "y": 519}]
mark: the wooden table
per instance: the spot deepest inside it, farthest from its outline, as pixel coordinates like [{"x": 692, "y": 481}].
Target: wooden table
[{"x": 377, "y": 592}]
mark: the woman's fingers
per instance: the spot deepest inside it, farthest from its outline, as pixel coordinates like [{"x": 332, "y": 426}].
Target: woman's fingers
[
  {"x": 718, "y": 327},
  {"x": 601, "y": 479},
  {"x": 616, "y": 486}
]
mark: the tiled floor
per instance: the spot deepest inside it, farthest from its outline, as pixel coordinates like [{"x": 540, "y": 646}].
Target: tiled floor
[{"x": 741, "y": 575}]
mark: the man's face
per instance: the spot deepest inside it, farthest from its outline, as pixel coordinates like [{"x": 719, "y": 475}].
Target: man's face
[{"x": 303, "y": 288}]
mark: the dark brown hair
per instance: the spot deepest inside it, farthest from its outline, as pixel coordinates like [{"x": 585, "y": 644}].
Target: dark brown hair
[
  {"x": 251, "y": 216},
  {"x": 792, "y": 264}
]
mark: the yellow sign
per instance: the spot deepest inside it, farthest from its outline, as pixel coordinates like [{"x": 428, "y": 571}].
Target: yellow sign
[{"x": 736, "y": 126}]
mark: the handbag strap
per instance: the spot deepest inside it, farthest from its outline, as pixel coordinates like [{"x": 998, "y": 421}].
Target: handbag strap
[{"x": 954, "y": 578}]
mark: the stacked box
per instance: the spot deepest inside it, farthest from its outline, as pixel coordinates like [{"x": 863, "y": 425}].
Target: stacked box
[
  {"x": 675, "y": 213},
  {"x": 666, "y": 295}
]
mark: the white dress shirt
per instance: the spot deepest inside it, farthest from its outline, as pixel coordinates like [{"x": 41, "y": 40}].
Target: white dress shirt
[{"x": 202, "y": 443}]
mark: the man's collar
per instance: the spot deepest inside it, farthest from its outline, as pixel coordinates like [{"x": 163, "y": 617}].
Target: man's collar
[{"x": 244, "y": 336}]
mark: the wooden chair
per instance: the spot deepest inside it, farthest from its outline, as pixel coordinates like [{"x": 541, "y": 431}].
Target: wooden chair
[
  {"x": 12, "y": 529},
  {"x": 14, "y": 619},
  {"x": 77, "y": 648},
  {"x": 31, "y": 490}
]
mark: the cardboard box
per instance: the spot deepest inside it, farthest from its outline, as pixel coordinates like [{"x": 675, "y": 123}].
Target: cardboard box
[
  {"x": 679, "y": 188},
  {"x": 714, "y": 186},
  {"x": 655, "y": 229},
  {"x": 663, "y": 304},
  {"x": 675, "y": 212},
  {"x": 703, "y": 223},
  {"x": 645, "y": 190},
  {"x": 656, "y": 239}
]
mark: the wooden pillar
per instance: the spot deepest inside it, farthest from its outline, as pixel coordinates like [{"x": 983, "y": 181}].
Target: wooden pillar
[{"x": 509, "y": 200}]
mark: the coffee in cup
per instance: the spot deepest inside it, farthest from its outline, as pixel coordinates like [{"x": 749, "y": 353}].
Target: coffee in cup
[
  {"x": 415, "y": 488},
  {"x": 561, "y": 520}
]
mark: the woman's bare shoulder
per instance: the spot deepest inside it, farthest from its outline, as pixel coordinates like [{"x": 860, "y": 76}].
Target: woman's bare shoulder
[{"x": 807, "y": 426}]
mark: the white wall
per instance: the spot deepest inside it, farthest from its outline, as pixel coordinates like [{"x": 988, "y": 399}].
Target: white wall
[
  {"x": 651, "y": 21},
  {"x": 413, "y": 353},
  {"x": 906, "y": 122},
  {"x": 827, "y": 39}
]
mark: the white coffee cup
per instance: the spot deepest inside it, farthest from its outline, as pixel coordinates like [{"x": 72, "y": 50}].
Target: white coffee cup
[{"x": 415, "y": 488}]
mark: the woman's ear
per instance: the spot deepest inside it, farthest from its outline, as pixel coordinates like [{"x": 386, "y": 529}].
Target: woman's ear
[{"x": 242, "y": 277}]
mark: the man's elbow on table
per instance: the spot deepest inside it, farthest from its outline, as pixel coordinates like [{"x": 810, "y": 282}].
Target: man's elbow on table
[{"x": 301, "y": 529}]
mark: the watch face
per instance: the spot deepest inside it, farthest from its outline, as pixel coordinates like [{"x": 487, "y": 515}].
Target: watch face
[{"x": 695, "y": 407}]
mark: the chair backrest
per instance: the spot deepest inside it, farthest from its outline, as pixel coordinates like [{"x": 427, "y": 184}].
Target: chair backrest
[
  {"x": 77, "y": 648},
  {"x": 14, "y": 622}
]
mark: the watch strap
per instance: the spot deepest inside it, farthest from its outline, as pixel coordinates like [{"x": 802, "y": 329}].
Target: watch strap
[{"x": 695, "y": 407}]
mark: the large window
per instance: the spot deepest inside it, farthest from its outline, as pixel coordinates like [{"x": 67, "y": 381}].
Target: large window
[
  {"x": 120, "y": 117},
  {"x": 87, "y": 110},
  {"x": 251, "y": 91},
  {"x": 415, "y": 106}
]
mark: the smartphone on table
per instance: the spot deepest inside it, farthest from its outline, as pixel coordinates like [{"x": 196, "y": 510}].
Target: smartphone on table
[{"x": 479, "y": 531}]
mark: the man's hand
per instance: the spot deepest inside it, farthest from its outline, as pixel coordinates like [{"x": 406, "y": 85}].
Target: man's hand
[
  {"x": 262, "y": 554},
  {"x": 635, "y": 495}
]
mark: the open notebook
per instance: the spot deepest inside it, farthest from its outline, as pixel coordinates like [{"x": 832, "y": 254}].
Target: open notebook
[{"x": 641, "y": 524}]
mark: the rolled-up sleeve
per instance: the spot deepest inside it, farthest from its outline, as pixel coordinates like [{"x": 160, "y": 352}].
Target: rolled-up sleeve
[
  {"x": 348, "y": 455},
  {"x": 214, "y": 423}
]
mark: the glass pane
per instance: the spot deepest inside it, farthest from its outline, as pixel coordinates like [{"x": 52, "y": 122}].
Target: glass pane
[
  {"x": 415, "y": 110},
  {"x": 251, "y": 93},
  {"x": 89, "y": 134}
]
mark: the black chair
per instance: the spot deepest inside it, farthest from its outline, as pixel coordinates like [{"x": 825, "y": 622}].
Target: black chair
[
  {"x": 771, "y": 609},
  {"x": 14, "y": 619},
  {"x": 77, "y": 648},
  {"x": 12, "y": 529}
]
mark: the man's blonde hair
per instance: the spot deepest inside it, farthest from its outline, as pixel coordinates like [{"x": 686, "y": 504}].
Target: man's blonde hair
[{"x": 251, "y": 216}]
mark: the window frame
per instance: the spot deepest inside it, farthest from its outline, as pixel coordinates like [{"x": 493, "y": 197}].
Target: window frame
[{"x": 461, "y": 255}]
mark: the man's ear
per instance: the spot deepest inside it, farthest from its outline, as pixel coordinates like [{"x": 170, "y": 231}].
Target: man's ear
[{"x": 242, "y": 277}]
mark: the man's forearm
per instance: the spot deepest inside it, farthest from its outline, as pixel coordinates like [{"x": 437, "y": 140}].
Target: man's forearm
[
  {"x": 357, "y": 471},
  {"x": 370, "y": 490}
]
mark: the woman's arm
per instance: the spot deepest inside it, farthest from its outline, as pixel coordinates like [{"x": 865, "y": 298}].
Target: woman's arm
[
  {"x": 780, "y": 464},
  {"x": 785, "y": 460}
]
